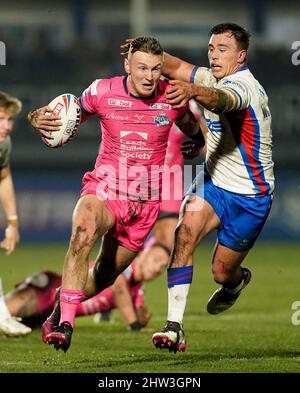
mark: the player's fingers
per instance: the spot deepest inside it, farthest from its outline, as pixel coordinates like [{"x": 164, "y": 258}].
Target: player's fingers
[
  {"x": 7, "y": 245},
  {"x": 49, "y": 117},
  {"x": 49, "y": 123},
  {"x": 171, "y": 89},
  {"x": 175, "y": 92},
  {"x": 44, "y": 134},
  {"x": 178, "y": 102},
  {"x": 174, "y": 98},
  {"x": 127, "y": 42},
  {"x": 45, "y": 109},
  {"x": 125, "y": 46},
  {"x": 10, "y": 248}
]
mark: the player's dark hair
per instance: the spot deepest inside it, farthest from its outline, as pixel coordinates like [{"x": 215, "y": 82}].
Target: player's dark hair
[
  {"x": 241, "y": 35},
  {"x": 146, "y": 44}
]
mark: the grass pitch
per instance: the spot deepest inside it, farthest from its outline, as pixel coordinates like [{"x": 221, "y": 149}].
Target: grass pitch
[{"x": 256, "y": 335}]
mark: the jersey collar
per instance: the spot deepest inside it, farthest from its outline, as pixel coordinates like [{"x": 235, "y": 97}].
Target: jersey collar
[{"x": 242, "y": 68}]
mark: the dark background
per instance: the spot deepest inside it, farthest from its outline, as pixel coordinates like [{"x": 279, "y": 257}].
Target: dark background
[{"x": 57, "y": 47}]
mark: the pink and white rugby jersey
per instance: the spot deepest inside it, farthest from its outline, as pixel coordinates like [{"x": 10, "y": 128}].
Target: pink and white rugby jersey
[
  {"x": 239, "y": 141},
  {"x": 135, "y": 135}
]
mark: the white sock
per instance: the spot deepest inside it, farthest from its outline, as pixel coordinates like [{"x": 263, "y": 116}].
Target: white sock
[
  {"x": 4, "y": 313},
  {"x": 177, "y": 297}
]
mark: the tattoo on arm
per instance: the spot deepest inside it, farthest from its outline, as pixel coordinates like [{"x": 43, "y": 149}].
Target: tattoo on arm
[{"x": 224, "y": 101}]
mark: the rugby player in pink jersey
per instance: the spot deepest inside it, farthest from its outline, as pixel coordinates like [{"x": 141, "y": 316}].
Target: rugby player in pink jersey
[
  {"x": 120, "y": 197},
  {"x": 34, "y": 297}
]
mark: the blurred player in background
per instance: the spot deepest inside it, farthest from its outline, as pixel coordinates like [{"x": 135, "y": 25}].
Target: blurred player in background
[
  {"x": 173, "y": 183},
  {"x": 235, "y": 194},
  {"x": 33, "y": 299},
  {"x": 9, "y": 108},
  {"x": 117, "y": 198}
]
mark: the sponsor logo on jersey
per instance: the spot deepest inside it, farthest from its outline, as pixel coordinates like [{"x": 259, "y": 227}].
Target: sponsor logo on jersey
[
  {"x": 160, "y": 106},
  {"x": 115, "y": 116},
  {"x": 233, "y": 83},
  {"x": 118, "y": 102},
  {"x": 144, "y": 135},
  {"x": 213, "y": 125},
  {"x": 139, "y": 117},
  {"x": 162, "y": 120}
]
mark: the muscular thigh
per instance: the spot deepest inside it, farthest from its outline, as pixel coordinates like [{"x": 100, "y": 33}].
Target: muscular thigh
[{"x": 92, "y": 213}]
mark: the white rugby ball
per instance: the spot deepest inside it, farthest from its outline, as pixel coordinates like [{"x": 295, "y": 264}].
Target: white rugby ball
[{"x": 68, "y": 108}]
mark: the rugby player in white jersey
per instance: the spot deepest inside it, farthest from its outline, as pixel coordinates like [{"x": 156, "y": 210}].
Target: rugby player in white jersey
[
  {"x": 234, "y": 193},
  {"x": 9, "y": 107}
]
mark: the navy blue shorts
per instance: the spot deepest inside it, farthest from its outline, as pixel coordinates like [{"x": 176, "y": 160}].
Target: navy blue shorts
[{"x": 242, "y": 217}]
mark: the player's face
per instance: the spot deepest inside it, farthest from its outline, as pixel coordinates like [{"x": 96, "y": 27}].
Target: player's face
[
  {"x": 154, "y": 263},
  {"x": 144, "y": 72},
  {"x": 224, "y": 55},
  {"x": 6, "y": 124}
]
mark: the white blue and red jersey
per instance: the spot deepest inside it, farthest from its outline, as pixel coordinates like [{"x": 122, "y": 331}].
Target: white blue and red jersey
[{"x": 239, "y": 141}]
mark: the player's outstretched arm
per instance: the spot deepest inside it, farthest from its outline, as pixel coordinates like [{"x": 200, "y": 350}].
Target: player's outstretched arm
[
  {"x": 143, "y": 314},
  {"x": 124, "y": 303},
  {"x": 8, "y": 202},
  {"x": 175, "y": 68},
  {"x": 215, "y": 100},
  {"x": 42, "y": 120}
]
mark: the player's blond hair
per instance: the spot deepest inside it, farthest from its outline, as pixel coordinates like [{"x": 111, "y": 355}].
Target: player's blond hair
[
  {"x": 10, "y": 104},
  {"x": 147, "y": 45}
]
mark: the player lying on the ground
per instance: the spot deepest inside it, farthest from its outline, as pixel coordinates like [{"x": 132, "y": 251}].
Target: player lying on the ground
[{"x": 33, "y": 299}]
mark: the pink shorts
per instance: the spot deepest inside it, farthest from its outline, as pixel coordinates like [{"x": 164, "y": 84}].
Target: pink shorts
[{"x": 134, "y": 218}]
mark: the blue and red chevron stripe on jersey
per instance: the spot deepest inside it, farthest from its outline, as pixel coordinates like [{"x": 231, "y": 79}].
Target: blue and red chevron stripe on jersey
[{"x": 246, "y": 131}]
